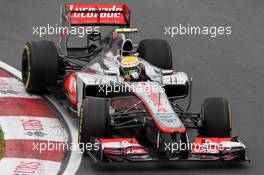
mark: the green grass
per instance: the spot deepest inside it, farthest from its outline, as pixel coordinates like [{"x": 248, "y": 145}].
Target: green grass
[{"x": 2, "y": 144}]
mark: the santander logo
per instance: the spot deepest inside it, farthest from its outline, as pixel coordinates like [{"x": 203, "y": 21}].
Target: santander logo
[{"x": 86, "y": 11}]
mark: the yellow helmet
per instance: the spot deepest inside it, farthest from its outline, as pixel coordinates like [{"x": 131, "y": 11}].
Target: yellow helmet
[
  {"x": 129, "y": 67},
  {"x": 129, "y": 61}
]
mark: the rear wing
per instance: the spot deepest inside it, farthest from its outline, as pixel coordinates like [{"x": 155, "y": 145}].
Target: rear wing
[
  {"x": 97, "y": 14},
  {"x": 91, "y": 15}
]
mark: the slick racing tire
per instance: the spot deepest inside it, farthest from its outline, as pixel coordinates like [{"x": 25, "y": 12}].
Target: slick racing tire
[
  {"x": 93, "y": 119},
  {"x": 157, "y": 52},
  {"x": 39, "y": 66},
  {"x": 216, "y": 118}
]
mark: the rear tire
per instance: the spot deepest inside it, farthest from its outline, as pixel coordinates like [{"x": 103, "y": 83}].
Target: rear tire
[
  {"x": 157, "y": 52},
  {"x": 39, "y": 66},
  {"x": 216, "y": 115},
  {"x": 94, "y": 119}
]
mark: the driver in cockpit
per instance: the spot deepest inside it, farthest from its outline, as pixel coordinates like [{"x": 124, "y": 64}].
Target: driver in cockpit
[{"x": 131, "y": 69}]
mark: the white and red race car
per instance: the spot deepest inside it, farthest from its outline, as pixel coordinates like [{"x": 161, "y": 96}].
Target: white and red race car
[{"x": 125, "y": 94}]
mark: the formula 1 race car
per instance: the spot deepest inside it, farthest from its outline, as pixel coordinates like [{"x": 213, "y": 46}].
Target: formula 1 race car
[{"x": 126, "y": 95}]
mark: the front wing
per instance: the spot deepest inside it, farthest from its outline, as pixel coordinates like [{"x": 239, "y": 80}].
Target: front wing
[{"x": 203, "y": 149}]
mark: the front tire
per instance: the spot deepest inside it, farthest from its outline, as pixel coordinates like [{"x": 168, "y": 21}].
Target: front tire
[
  {"x": 94, "y": 119},
  {"x": 39, "y": 66},
  {"x": 216, "y": 118}
]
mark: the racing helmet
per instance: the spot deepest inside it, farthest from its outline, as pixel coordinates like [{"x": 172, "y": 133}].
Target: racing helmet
[{"x": 130, "y": 68}]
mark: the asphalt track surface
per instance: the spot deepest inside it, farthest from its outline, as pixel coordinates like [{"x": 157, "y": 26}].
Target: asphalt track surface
[{"x": 230, "y": 66}]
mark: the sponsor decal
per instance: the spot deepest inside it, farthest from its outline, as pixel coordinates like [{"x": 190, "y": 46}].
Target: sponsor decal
[
  {"x": 91, "y": 11},
  {"x": 35, "y": 133},
  {"x": 156, "y": 97},
  {"x": 135, "y": 150},
  {"x": 27, "y": 167},
  {"x": 128, "y": 146},
  {"x": 32, "y": 125},
  {"x": 33, "y": 128},
  {"x": 98, "y": 14}
]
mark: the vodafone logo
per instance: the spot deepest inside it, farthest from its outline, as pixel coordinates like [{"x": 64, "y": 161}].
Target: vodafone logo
[{"x": 92, "y": 12}]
